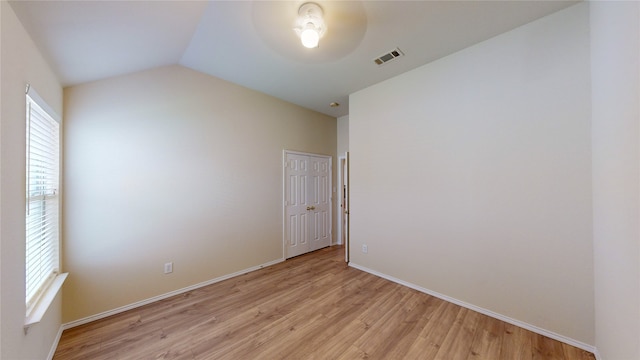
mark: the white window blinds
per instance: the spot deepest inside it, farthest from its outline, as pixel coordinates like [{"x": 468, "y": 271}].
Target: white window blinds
[{"x": 42, "y": 261}]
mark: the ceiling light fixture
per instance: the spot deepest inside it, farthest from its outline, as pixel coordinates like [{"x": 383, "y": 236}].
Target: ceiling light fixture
[{"x": 310, "y": 25}]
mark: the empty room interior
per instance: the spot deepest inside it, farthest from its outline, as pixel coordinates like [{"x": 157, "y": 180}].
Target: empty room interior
[{"x": 482, "y": 153}]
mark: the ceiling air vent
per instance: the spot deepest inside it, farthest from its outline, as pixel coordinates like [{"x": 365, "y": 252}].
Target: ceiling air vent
[{"x": 395, "y": 53}]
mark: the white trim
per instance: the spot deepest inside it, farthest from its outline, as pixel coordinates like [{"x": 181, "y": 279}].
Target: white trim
[
  {"x": 56, "y": 341},
  {"x": 597, "y": 354},
  {"x": 340, "y": 210},
  {"x": 165, "y": 296},
  {"x": 285, "y": 151},
  {"x": 33, "y": 94},
  {"x": 490, "y": 313},
  {"x": 42, "y": 305},
  {"x": 284, "y": 204}
]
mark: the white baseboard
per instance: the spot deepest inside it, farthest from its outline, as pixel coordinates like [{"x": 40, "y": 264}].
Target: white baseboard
[
  {"x": 159, "y": 297},
  {"x": 597, "y": 354},
  {"x": 54, "y": 346},
  {"x": 490, "y": 313}
]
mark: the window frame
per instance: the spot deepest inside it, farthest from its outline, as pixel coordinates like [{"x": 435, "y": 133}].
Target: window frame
[{"x": 42, "y": 195}]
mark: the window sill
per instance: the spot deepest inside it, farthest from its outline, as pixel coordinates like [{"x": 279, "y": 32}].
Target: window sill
[{"x": 43, "y": 304}]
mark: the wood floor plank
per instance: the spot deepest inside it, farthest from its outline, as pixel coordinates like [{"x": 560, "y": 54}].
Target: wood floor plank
[
  {"x": 433, "y": 334},
  {"x": 310, "y": 307},
  {"x": 416, "y": 316},
  {"x": 343, "y": 324},
  {"x": 457, "y": 343},
  {"x": 382, "y": 324},
  {"x": 546, "y": 348},
  {"x": 488, "y": 340},
  {"x": 572, "y": 352},
  {"x": 516, "y": 343}
]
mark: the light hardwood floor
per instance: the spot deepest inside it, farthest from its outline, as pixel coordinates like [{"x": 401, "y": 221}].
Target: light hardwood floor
[{"x": 310, "y": 307}]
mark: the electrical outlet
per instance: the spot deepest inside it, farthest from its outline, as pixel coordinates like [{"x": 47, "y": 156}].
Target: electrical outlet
[
  {"x": 168, "y": 268},
  {"x": 365, "y": 248}
]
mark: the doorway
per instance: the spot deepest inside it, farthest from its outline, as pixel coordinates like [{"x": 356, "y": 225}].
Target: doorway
[
  {"x": 343, "y": 198},
  {"x": 307, "y": 202}
]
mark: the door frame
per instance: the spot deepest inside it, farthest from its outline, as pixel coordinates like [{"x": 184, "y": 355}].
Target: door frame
[
  {"x": 285, "y": 152},
  {"x": 339, "y": 197},
  {"x": 343, "y": 203}
]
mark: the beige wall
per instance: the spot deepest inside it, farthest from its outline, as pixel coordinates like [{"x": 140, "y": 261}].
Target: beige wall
[
  {"x": 615, "y": 49},
  {"x": 21, "y": 64},
  {"x": 471, "y": 176},
  {"x": 173, "y": 165}
]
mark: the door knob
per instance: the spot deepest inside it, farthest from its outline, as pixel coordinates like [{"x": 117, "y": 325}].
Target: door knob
[{"x": 311, "y": 207}]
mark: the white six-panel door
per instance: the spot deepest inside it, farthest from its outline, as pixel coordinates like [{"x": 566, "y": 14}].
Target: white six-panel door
[
  {"x": 307, "y": 203},
  {"x": 296, "y": 215},
  {"x": 319, "y": 196}
]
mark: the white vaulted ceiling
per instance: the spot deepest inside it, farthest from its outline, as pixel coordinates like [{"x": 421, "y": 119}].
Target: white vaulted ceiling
[{"x": 252, "y": 43}]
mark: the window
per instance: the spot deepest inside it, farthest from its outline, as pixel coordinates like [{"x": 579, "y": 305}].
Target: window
[{"x": 42, "y": 175}]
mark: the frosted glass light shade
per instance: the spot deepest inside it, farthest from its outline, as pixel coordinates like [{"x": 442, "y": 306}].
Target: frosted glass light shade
[
  {"x": 310, "y": 25},
  {"x": 310, "y": 36}
]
